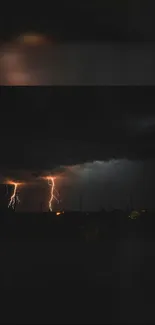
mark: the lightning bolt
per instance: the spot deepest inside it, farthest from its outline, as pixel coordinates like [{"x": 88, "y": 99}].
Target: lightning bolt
[
  {"x": 14, "y": 197},
  {"x": 51, "y": 183}
]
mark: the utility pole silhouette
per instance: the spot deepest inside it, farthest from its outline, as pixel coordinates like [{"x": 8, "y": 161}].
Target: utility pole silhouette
[{"x": 144, "y": 183}]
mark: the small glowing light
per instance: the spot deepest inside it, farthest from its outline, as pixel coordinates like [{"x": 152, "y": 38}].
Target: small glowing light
[
  {"x": 134, "y": 215},
  {"x": 58, "y": 213}
]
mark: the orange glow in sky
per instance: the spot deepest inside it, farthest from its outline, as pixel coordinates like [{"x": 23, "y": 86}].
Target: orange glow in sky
[{"x": 32, "y": 39}]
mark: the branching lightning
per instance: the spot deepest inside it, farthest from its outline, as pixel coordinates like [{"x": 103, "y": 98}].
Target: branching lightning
[
  {"x": 14, "y": 197},
  {"x": 51, "y": 183}
]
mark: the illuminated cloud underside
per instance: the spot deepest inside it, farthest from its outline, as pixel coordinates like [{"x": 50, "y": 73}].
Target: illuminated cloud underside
[{"x": 98, "y": 182}]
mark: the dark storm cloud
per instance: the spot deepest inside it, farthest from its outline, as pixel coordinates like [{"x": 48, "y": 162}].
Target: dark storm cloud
[
  {"x": 57, "y": 171},
  {"x": 31, "y": 177},
  {"x": 140, "y": 124},
  {"x": 19, "y": 176},
  {"x": 106, "y": 20},
  {"x": 76, "y": 154},
  {"x": 106, "y": 143},
  {"x": 64, "y": 126}
]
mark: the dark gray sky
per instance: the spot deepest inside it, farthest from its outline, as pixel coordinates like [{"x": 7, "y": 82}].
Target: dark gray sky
[
  {"x": 75, "y": 63},
  {"x": 82, "y": 20},
  {"x": 79, "y": 124}
]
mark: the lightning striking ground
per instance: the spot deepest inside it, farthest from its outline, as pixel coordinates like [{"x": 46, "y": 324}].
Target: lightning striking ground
[
  {"x": 14, "y": 197},
  {"x": 51, "y": 183}
]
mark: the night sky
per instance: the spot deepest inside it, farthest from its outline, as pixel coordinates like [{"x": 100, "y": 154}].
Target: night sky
[
  {"x": 82, "y": 20},
  {"x": 105, "y": 133}
]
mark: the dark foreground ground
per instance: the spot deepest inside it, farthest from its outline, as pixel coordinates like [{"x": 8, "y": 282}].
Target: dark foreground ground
[{"x": 76, "y": 269}]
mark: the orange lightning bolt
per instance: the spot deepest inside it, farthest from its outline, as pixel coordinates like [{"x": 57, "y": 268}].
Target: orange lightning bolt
[
  {"x": 14, "y": 197},
  {"x": 51, "y": 183}
]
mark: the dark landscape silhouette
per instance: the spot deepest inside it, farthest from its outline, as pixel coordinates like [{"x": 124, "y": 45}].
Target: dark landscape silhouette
[{"x": 69, "y": 253}]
